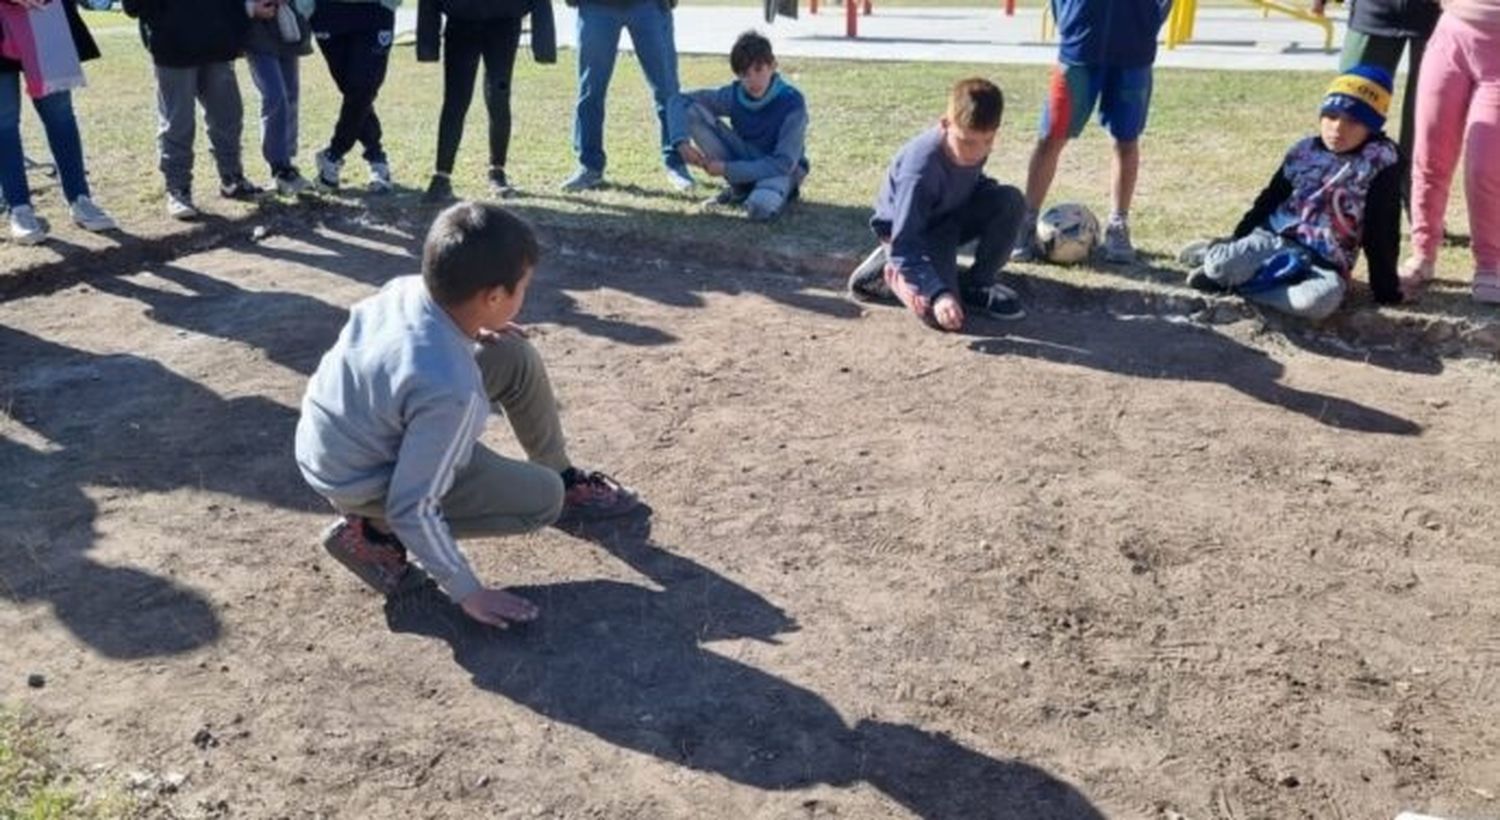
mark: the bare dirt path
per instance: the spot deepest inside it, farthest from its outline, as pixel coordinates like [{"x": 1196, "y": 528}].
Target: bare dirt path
[{"x": 1079, "y": 566}]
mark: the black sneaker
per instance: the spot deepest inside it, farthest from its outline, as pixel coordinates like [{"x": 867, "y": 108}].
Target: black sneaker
[
  {"x": 1198, "y": 280},
  {"x": 867, "y": 282},
  {"x": 239, "y": 188},
  {"x": 500, "y": 187},
  {"x": 439, "y": 190},
  {"x": 996, "y": 301}
]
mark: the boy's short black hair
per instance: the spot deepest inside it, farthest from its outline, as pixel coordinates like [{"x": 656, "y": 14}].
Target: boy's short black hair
[
  {"x": 750, "y": 50},
  {"x": 976, "y": 103},
  {"x": 475, "y": 246}
]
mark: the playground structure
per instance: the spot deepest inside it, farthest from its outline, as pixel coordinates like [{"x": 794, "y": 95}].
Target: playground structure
[{"x": 1178, "y": 29}]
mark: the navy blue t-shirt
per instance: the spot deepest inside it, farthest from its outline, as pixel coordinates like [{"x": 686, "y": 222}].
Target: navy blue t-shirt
[{"x": 1113, "y": 33}]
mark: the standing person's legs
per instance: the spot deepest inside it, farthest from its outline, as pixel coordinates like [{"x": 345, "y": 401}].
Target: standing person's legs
[
  {"x": 1385, "y": 52},
  {"x": 265, "y": 70},
  {"x": 369, "y": 77},
  {"x": 598, "y": 45},
  {"x": 1124, "y": 107},
  {"x": 291, "y": 77},
  {"x": 1072, "y": 93},
  {"x": 1444, "y": 91},
  {"x": 502, "y": 39},
  {"x": 224, "y": 114},
  {"x": 461, "y": 54},
  {"x": 1482, "y": 158},
  {"x": 13, "y": 184},
  {"x": 651, "y": 30},
  {"x": 56, "y": 113},
  {"x": 176, "y": 112}
]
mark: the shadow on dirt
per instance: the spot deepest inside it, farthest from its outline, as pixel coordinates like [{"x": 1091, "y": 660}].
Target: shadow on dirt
[
  {"x": 627, "y": 663},
  {"x": 121, "y": 422},
  {"x": 1150, "y": 348}
]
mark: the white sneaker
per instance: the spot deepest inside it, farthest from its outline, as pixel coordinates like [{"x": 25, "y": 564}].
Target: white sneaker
[
  {"x": 24, "y": 227},
  {"x": 380, "y": 178},
  {"x": 180, "y": 205},
  {"x": 1117, "y": 247},
  {"x": 91, "y": 217},
  {"x": 328, "y": 170}
]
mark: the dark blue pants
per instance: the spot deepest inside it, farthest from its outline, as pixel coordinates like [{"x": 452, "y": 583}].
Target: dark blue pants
[{"x": 355, "y": 39}]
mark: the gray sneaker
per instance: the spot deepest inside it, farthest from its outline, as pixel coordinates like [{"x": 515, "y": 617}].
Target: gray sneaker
[
  {"x": 89, "y": 216},
  {"x": 25, "y": 229},
  {"x": 1117, "y": 247},
  {"x": 180, "y": 205},
  {"x": 867, "y": 282},
  {"x": 1028, "y": 249},
  {"x": 380, "y": 178},
  {"x": 1194, "y": 252},
  {"x": 584, "y": 179}
]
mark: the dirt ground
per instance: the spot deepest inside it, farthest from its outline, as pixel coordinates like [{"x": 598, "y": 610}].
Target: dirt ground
[{"x": 1078, "y": 566}]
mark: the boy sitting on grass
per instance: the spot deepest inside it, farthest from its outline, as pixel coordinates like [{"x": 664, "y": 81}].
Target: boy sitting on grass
[
  {"x": 391, "y": 419},
  {"x": 935, "y": 198},
  {"x": 760, "y": 153},
  {"x": 1334, "y": 194}
]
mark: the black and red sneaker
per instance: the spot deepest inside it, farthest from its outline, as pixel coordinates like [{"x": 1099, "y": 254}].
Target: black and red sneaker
[
  {"x": 377, "y": 558},
  {"x": 594, "y": 496}
]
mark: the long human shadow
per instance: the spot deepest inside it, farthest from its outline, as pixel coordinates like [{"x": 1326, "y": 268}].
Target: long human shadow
[
  {"x": 1157, "y": 349},
  {"x": 627, "y": 663},
  {"x": 128, "y": 423}
]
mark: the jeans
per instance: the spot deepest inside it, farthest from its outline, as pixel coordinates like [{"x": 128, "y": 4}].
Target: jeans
[
  {"x": 178, "y": 92},
  {"x": 650, "y": 25},
  {"x": 276, "y": 75},
  {"x": 1234, "y": 262},
  {"x": 717, "y": 141},
  {"x": 465, "y": 43},
  {"x": 56, "y": 113}
]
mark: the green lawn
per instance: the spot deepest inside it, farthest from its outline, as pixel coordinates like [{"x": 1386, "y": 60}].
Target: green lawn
[
  {"x": 34, "y": 787},
  {"x": 1214, "y": 139}
]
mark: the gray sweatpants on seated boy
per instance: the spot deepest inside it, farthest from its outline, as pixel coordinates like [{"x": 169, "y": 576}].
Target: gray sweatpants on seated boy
[
  {"x": 1233, "y": 262},
  {"x": 494, "y": 495},
  {"x": 178, "y": 91},
  {"x": 717, "y": 141}
]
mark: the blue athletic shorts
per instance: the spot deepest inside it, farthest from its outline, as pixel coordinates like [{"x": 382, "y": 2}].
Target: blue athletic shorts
[{"x": 1123, "y": 96}]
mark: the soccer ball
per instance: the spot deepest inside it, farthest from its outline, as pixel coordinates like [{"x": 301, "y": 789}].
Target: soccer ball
[{"x": 1067, "y": 233}]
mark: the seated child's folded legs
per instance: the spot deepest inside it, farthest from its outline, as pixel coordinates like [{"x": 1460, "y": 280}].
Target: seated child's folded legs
[
  {"x": 1232, "y": 262},
  {"x": 768, "y": 197},
  {"x": 1315, "y": 297},
  {"x": 993, "y": 216},
  {"x": 713, "y": 137},
  {"x": 494, "y": 495},
  {"x": 515, "y": 378}
]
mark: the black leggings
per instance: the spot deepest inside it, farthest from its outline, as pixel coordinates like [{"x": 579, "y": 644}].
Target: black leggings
[{"x": 465, "y": 42}]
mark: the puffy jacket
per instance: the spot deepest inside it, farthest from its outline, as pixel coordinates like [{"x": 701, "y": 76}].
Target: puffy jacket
[
  {"x": 186, "y": 33},
  {"x": 87, "y": 48},
  {"x": 1117, "y": 33},
  {"x": 430, "y": 14}
]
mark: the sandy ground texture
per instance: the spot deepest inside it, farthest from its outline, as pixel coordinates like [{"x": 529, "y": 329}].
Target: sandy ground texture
[{"x": 1077, "y": 566}]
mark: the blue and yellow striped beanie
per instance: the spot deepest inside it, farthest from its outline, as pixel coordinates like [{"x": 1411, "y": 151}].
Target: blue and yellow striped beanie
[{"x": 1363, "y": 92}]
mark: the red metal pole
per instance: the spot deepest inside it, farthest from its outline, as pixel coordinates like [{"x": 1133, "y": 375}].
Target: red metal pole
[
  {"x": 1010, "y": 8},
  {"x": 812, "y": 6},
  {"x": 851, "y": 18},
  {"x": 868, "y": 7}
]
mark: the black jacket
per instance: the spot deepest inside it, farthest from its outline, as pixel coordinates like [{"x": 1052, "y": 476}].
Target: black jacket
[
  {"x": 431, "y": 12},
  {"x": 186, "y": 33},
  {"x": 1394, "y": 18},
  {"x": 87, "y": 48}
]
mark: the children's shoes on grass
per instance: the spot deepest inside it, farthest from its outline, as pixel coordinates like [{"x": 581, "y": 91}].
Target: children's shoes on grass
[
  {"x": 1117, "y": 247},
  {"x": 25, "y": 228},
  {"x": 1414, "y": 276},
  {"x": 1486, "y": 287},
  {"x": 584, "y": 179}
]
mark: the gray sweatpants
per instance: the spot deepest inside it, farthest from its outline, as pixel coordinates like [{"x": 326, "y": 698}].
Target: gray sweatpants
[
  {"x": 178, "y": 90},
  {"x": 494, "y": 495},
  {"x": 1233, "y": 262},
  {"x": 717, "y": 141}
]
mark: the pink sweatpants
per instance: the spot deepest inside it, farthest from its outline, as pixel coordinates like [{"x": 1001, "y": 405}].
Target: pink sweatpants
[{"x": 1459, "y": 92}]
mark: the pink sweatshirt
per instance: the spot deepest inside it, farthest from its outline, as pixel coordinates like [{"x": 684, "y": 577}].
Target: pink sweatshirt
[{"x": 1484, "y": 13}]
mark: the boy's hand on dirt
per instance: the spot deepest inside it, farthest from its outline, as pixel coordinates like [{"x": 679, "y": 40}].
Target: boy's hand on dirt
[
  {"x": 489, "y": 337},
  {"x": 499, "y": 608},
  {"x": 947, "y": 312}
]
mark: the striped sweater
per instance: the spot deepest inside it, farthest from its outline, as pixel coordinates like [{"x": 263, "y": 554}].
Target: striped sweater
[{"x": 393, "y": 411}]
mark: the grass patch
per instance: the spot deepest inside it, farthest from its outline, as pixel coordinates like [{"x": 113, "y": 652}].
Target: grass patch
[
  {"x": 1213, "y": 141},
  {"x": 33, "y": 786}
]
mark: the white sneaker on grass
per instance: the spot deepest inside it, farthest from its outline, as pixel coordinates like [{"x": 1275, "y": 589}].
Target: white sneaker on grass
[
  {"x": 91, "y": 217},
  {"x": 180, "y": 205},
  {"x": 380, "y": 178},
  {"x": 329, "y": 170},
  {"x": 24, "y": 227}
]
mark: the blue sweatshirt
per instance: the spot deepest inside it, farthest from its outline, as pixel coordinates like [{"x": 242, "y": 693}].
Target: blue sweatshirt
[
  {"x": 393, "y": 411},
  {"x": 1112, "y": 33},
  {"x": 775, "y": 126},
  {"x": 921, "y": 188}
]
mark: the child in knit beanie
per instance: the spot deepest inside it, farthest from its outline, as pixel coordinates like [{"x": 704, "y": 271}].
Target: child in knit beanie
[{"x": 1335, "y": 194}]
